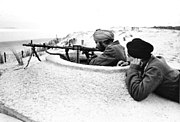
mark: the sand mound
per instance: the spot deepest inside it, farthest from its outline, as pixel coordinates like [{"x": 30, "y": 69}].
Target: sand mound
[
  {"x": 52, "y": 92},
  {"x": 55, "y": 90}
]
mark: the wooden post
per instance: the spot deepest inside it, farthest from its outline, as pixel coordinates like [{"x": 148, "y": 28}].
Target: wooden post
[
  {"x": 1, "y": 59},
  {"x": 124, "y": 38},
  {"x": 82, "y": 42},
  {"x": 5, "y": 57},
  {"x": 77, "y": 48},
  {"x": 56, "y": 37},
  {"x": 22, "y": 53}
]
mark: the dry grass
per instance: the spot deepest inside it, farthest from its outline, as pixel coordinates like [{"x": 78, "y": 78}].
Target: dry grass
[{"x": 18, "y": 57}]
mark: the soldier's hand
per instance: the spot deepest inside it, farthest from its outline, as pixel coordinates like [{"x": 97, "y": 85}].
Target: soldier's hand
[
  {"x": 123, "y": 63},
  {"x": 93, "y": 56},
  {"x": 136, "y": 61}
]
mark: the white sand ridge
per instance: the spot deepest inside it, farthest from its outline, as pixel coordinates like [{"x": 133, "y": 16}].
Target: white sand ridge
[{"x": 52, "y": 92}]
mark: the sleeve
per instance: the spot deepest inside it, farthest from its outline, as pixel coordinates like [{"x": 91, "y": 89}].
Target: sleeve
[
  {"x": 107, "y": 58},
  {"x": 139, "y": 87}
]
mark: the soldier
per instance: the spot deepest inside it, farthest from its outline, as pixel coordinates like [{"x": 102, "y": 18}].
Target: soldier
[
  {"x": 148, "y": 73},
  {"x": 112, "y": 50}
]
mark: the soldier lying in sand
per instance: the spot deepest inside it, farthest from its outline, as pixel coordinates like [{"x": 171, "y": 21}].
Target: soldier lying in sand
[{"x": 148, "y": 73}]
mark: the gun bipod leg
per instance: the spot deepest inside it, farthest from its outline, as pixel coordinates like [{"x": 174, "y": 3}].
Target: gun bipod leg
[
  {"x": 36, "y": 54},
  {"x": 33, "y": 52},
  {"x": 28, "y": 60}
]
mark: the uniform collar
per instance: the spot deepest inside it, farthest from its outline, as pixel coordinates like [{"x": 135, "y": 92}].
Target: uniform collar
[
  {"x": 115, "y": 42},
  {"x": 148, "y": 61}
]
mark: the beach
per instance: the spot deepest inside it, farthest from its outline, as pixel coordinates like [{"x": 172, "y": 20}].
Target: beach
[
  {"x": 6, "y": 46},
  {"x": 55, "y": 90}
]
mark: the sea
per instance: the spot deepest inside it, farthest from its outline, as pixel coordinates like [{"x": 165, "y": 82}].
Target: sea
[
  {"x": 14, "y": 38},
  {"x": 17, "y": 45}
]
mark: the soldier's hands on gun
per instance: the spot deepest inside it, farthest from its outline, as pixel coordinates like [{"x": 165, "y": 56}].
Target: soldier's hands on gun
[
  {"x": 89, "y": 55},
  {"x": 93, "y": 56},
  {"x": 123, "y": 63}
]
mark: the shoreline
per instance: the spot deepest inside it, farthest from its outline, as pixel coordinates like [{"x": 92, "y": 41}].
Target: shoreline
[{"x": 17, "y": 44}]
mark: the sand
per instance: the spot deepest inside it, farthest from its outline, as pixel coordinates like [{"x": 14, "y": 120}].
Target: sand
[
  {"x": 55, "y": 90},
  {"x": 6, "y": 118}
]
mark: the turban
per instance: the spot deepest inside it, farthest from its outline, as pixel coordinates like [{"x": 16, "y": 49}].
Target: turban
[
  {"x": 138, "y": 48},
  {"x": 102, "y": 35}
]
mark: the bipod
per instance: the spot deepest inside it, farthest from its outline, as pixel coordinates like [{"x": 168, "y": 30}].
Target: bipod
[{"x": 33, "y": 51}]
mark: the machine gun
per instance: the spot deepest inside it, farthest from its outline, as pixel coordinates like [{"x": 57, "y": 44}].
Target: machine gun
[{"x": 78, "y": 48}]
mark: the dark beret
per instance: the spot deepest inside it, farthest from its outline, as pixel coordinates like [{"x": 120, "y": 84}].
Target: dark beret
[{"x": 139, "y": 48}]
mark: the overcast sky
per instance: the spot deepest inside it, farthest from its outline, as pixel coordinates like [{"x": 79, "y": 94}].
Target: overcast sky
[{"x": 87, "y": 14}]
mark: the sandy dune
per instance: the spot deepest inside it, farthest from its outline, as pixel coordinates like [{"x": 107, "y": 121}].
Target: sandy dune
[{"x": 55, "y": 90}]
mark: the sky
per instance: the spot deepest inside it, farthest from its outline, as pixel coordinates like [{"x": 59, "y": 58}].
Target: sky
[{"x": 77, "y": 15}]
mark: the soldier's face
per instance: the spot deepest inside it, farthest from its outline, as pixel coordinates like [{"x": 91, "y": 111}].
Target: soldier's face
[{"x": 100, "y": 45}]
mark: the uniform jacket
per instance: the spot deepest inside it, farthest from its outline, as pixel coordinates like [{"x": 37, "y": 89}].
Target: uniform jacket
[
  {"x": 110, "y": 57},
  {"x": 157, "y": 76}
]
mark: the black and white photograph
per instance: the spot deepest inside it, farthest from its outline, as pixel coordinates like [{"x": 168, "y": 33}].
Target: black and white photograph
[{"x": 89, "y": 61}]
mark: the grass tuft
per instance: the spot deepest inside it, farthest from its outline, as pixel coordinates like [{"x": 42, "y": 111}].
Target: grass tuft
[{"x": 18, "y": 58}]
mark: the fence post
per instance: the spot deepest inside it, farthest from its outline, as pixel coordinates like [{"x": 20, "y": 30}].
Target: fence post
[
  {"x": 1, "y": 59},
  {"x": 22, "y": 54},
  {"x": 5, "y": 57},
  {"x": 82, "y": 42}
]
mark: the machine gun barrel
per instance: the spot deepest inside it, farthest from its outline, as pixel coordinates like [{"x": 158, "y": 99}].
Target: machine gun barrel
[
  {"x": 74, "y": 47},
  {"x": 47, "y": 46}
]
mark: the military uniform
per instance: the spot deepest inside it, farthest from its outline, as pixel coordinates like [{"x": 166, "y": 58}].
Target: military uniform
[{"x": 110, "y": 57}]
